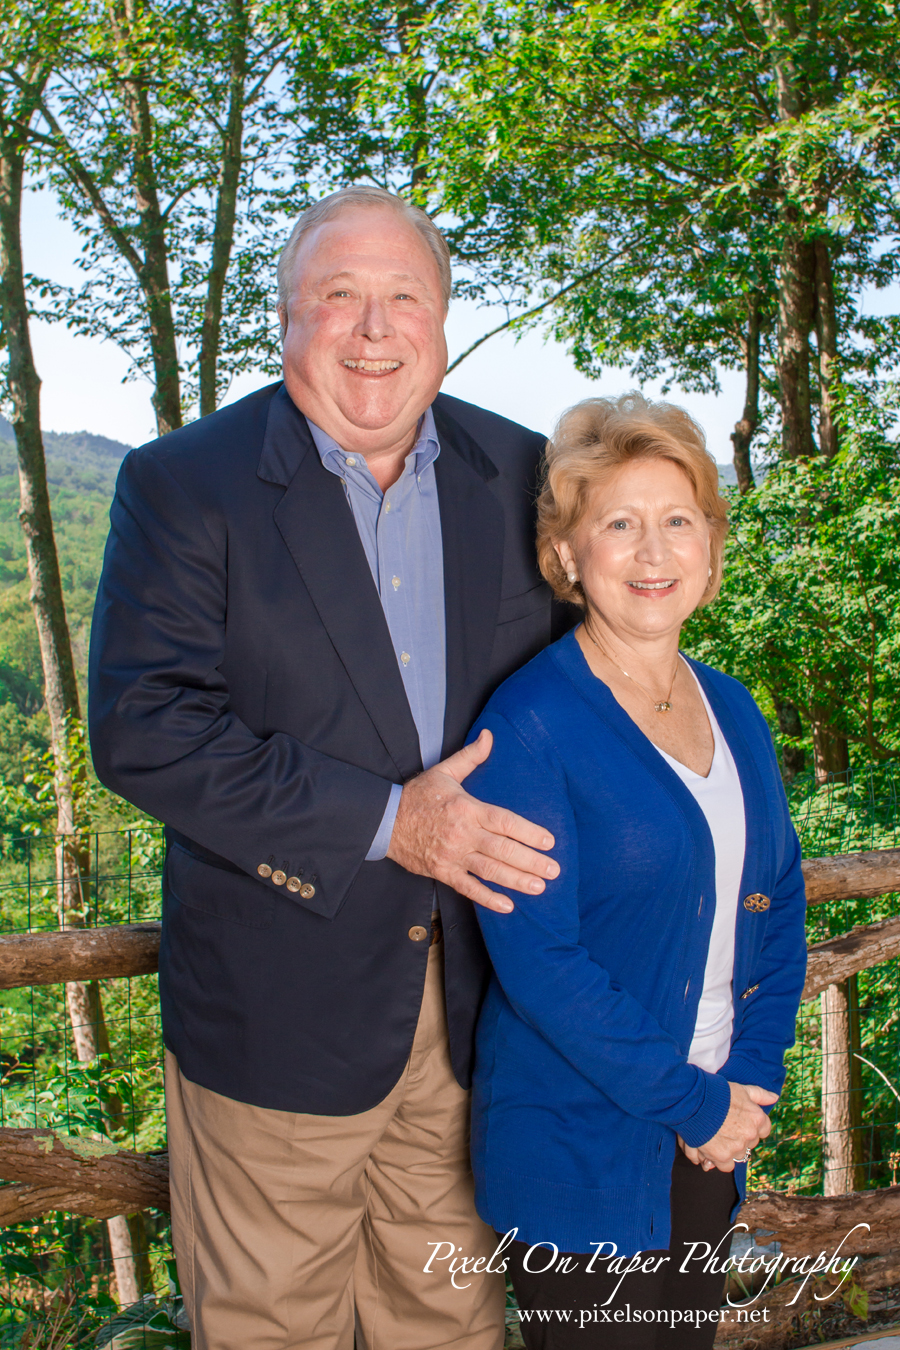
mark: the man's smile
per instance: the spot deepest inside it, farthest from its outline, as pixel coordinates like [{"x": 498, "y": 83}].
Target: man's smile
[{"x": 371, "y": 367}]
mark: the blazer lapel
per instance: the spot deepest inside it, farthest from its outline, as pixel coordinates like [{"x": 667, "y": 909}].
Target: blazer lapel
[
  {"x": 316, "y": 523},
  {"x": 472, "y": 530}
]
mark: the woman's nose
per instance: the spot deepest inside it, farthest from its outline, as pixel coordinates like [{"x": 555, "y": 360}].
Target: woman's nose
[{"x": 652, "y": 547}]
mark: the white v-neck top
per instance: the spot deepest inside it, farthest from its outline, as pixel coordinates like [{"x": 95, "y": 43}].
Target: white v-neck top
[{"x": 721, "y": 800}]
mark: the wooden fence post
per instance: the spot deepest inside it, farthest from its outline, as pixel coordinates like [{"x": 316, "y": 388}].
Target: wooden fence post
[{"x": 842, "y": 1151}]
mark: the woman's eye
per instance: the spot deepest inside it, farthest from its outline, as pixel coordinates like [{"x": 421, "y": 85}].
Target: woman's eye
[
  {"x": 677, "y": 520},
  {"x": 620, "y": 524}
]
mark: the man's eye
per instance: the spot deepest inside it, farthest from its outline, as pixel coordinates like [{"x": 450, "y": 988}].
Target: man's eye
[{"x": 403, "y": 296}]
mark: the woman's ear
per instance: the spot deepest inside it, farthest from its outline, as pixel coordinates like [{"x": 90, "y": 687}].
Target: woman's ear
[{"x": 565, "y": 555}]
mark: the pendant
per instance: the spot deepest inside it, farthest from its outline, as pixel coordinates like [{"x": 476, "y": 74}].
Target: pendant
[{"x": 665, "y": 706}]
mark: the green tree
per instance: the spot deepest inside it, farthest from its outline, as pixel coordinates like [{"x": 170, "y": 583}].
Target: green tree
[
  {"x": 687, "y": 189},
  {"x": 809, "y": 607},
  {"x": 164, "y": 138},
  {"x": 745, "y": 159}
]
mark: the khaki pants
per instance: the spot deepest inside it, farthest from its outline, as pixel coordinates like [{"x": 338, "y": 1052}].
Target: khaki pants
[{"x": 298, "y": 1230}]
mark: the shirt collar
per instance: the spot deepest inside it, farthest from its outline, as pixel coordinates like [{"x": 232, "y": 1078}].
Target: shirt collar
[{"x": 424, "y": 452}]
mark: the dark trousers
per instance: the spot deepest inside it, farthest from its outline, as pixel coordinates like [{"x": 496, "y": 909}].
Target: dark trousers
[{"x": 701, "y": 1205}]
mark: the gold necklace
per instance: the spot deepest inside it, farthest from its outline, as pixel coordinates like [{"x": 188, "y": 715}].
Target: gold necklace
[{"x": 663, "y": 705}]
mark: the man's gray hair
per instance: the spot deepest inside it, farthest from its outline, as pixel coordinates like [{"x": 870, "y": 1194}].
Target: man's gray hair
[{"x": 343, "y": 200}]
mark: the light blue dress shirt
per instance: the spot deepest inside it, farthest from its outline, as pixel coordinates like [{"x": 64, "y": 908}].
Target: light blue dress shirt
[{"x": 400, "y": 531}]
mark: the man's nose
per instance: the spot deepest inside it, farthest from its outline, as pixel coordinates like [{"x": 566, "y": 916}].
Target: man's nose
[{"x": 374, "y": 322}]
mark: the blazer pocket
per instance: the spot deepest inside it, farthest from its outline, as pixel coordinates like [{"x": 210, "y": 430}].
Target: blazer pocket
[
  {"x": 232, "y": 896},
  {"x": 522, "y": 606}
]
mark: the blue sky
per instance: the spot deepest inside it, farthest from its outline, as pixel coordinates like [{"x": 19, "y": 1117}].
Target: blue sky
[{"x": 530, "y": 381}]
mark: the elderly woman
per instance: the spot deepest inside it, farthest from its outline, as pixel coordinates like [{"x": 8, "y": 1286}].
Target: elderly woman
[{"x": 640, "y": 1009}]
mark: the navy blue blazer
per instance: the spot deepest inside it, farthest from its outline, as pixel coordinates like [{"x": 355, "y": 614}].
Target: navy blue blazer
[
  {"x": 581, "y": 1077},
  {"x": 244, "y": 690}
]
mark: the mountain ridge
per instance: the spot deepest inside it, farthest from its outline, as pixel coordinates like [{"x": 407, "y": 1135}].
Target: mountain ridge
[
  {"x": 75, "y": 459},
  {"x": 75, "y": 454}
]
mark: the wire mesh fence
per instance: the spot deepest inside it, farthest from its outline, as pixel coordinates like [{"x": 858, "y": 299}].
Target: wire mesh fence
[
  {"x": 62, "y": 1275},
  {"x": 851, "y": 812},
  {"x": 65, "y": 1276}
]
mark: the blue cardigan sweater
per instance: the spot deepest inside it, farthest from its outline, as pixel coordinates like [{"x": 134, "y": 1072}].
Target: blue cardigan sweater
[{"x": 581, "y": 1078}]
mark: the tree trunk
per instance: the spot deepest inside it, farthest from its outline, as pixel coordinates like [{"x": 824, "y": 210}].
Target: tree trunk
[
  {"x": 153, "y": 273},
  {"x": 793, "y": 757},
  {"x": 842, "y": 1138},
  {"x": 47, "y": 602},
  {"x": 48, "y": 605},
  {"x": 830, "y": 748},
  {"x": 797, "y": 269},
  {"x": 745, "y": 429},
  {"x": 226, "y": 209},
  {"x": 409, "y": 21},
  {"x": 130, "y": 1257},
  {"x": 826, "y": 332},
  {"x": 123, "y": 1262},
  {"x": 796, "y": 296}
]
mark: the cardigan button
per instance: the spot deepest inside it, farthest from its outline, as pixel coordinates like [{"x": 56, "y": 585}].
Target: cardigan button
[{"x": 756, "y": 903}]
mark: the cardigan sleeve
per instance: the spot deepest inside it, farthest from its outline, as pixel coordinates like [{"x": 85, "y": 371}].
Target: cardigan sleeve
[
  {"x": 552, "y": 982},
  {"x": 768, "y": 1025}
]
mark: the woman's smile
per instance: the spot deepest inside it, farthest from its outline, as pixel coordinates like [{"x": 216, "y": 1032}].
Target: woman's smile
[{"x": 653, "y": 587}]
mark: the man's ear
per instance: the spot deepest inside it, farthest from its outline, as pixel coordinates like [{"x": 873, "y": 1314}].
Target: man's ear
[{"x": 281, "y": 311}]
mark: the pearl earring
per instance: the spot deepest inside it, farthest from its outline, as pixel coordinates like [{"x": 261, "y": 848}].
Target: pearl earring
[
  {"x": 709, "y": 572},
  {"x": 573, "y": 576}
]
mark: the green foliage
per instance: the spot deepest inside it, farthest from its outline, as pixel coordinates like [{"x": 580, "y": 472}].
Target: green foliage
[
  {"x": 138, "y": 123},
  {"x": 81, "y": 470},
  {"x": 640, "y": 161},
  {"x": 72, "y": 1313},
  {"x": 808, "y": 609}
]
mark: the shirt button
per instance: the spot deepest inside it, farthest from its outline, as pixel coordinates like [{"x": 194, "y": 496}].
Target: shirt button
[
  {"x": 387, "y": 506},
  {"x": 404, "y": 657},
  {"x": 395, "y": 582},
  {"x": 351, "y": 461},
  {"x": 417, "y": 934}
]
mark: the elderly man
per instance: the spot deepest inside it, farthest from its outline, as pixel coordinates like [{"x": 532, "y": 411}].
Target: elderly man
[{"x": 306, "y": 599}]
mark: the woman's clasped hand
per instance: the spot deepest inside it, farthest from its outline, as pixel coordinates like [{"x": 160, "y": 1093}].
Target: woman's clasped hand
[{"x": 742, "y": 1129}]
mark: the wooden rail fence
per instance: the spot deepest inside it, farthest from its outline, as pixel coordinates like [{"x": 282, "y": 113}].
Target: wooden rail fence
[{"x": 52, "y": 1171}]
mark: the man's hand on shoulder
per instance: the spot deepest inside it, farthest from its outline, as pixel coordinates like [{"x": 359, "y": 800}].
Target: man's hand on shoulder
[{"x": 442, "y": 832}]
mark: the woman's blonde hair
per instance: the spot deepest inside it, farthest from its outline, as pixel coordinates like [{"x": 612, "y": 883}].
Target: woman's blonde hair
[{"x": 599, "y": 436}]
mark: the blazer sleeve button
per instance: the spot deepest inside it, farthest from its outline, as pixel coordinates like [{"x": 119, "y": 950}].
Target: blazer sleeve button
[
  {"x": 307, "y": 891},
  {"x": 417, "y": 934},
  {"x": 756, "y": 904},
  {"x": 279, "y": 878},
  {"x": 264, "y": 870},
  {"x": 294, "y": 883}
]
